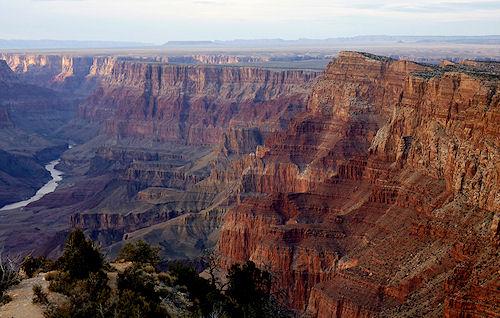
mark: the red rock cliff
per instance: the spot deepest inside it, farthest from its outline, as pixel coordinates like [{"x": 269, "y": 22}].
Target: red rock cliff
[
  {"x": 378, "y": 194},
  {"x": 193, "y": 104}
]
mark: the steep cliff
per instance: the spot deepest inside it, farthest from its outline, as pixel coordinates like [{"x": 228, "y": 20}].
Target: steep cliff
[
  {"x": 193, "y": 104},
  {"x": 34, "y": 67},
  {"x": 375, "y": 196},
  {"x": 73, "y": 74},
  {"x": 165, "y": 127},
  {"x": 371, "y": 191},
  {"x": 159, "y": 129}
]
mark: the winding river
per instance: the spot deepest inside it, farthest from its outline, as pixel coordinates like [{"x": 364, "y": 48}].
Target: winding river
[{"x": 46, "y": 189}]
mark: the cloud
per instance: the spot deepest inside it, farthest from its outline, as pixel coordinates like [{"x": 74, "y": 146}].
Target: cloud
[{"x": 161, "y": 20}]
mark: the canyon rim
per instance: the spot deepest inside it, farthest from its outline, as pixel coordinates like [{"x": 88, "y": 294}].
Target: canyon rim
[{"x": 358, "y": 176}]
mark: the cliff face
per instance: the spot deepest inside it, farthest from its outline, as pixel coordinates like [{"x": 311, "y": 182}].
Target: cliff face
[
  {"x": 33, "y": 66},
  {"x": 378, "y": 193},
  {"x": 162, "y": 128},
  {"x": 371, "y": 192},
  {"x": 32, "y": 107},
  {"x": 215, "y": 59},
  {"x": 193, "y": 104},
  {"x": 77, "y": 75}
]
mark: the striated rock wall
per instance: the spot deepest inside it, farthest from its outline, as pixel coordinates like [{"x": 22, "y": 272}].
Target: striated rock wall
[
  {"x": 193, "y": 104},
  {"x": 75, "y": 74},
  {"x": 34, "y": 67},
  {"x": 387, "y": 149},
  {"x": 372, "y": 192}
]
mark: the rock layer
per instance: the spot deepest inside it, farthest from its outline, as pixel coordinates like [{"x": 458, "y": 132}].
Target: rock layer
[
  {"x": 373, "y": 192},
  {"x": 383, "y": 188},
  {"x": 193, "y": 104}
]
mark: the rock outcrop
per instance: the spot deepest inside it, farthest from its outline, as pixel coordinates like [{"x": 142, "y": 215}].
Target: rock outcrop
[
  {"x": 162, "y": 129},
  {"x": 379, "y": 192},
  {"x": 76, "y": 75}
]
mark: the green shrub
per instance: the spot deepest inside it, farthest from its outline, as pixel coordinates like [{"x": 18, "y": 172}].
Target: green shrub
[
  {"x": 62, "y": 283},
  {"x": 51, "y": 275},
  {"x": 39, "y": 296},
  {"x": 4, "y": 299},
  {"x": 166, "y": 278},
  {"x": 140, "y": 252},
  {"x": 203, "y": 294},
  {"x": 131, "y": 304},
  {"x": 248, "y": 284},
  {"x": 250, "y": 290},
  {"x": 32, "y": 265},
  {"x": 80, "y": 256},
  {"x": 139, "y": 294},
  {"x": 136, "y": 279},
  {"x": 90, "y": 297},
  {"x": 61, "y": 311}
]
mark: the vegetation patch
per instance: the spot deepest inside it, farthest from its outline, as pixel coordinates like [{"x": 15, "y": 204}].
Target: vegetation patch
[{"x": 140, "y": 290}]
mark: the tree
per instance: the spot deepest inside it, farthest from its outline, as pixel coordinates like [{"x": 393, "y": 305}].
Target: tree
[
  {"x": 212, "y": 263},
  {"x": 203, "y": 293},
  {"x": 249, "y": 289},
  {"x": 80, "y": 256},
  {"x": 139, "y": 294},
  {"x": 31, "y": 265},
  {"x": 140, "y": 252}
]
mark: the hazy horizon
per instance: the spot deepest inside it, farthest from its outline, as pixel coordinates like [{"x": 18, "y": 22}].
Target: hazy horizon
[{"x": 160, "y": 21}]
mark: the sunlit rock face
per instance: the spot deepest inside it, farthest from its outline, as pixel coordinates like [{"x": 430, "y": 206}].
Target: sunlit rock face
[{"x": 374, "y": 200}]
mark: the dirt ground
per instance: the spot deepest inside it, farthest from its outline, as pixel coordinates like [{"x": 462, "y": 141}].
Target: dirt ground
[{"x": 21, "y": 305}]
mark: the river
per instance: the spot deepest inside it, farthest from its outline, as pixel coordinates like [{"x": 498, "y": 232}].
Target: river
[{"x": 46, "y": 189}]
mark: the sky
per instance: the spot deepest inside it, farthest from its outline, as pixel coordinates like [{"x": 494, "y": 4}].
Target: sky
[{"x": 158, "y": 21}]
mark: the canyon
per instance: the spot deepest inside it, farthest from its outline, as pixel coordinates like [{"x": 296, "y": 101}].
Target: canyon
[{"x": 368, "y": 189}]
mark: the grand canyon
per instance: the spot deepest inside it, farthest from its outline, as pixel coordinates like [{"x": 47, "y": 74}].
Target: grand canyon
[{"x": 367, "y": 185}]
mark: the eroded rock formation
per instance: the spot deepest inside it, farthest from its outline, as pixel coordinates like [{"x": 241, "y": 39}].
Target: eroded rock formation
[
  {"x": 375, "y": 197},
  {"x": 165, "y": 127},
  {"x": 194, "y": 104},
  {"x": 371, "y": 191}
]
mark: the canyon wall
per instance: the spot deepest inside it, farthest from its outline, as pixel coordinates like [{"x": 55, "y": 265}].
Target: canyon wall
[
  {"x": 194, "y": 104},
  {"x": 151, "y": 133},
  {"x": 27, "y": 112},
  {"x": 375, "y": 196},
  {"x": 371, "y": 190},
  {"x": 73, "y": 74},
  {"x": 165, "y": 126}
]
